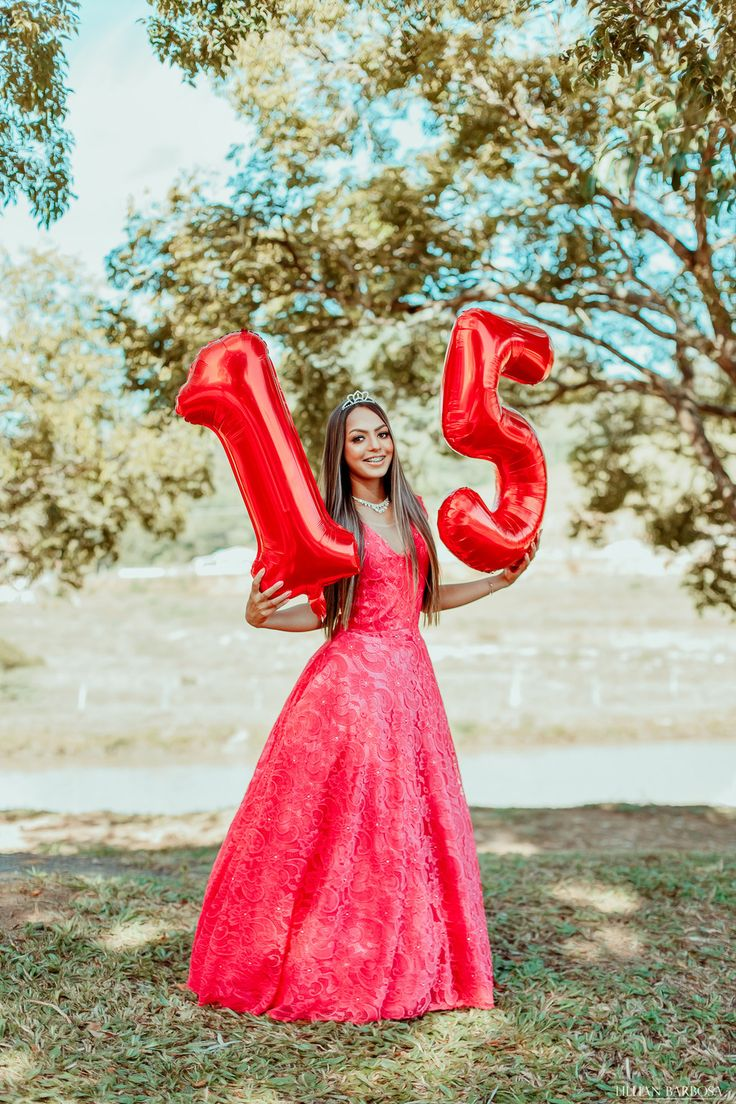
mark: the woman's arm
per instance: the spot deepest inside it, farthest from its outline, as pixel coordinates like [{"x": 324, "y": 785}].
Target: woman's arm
[
  {"x": 460, "y": 594},
  {"x": 299, "y": 618},
  {"x": 453, "y": 595},
  {"x": 263, "y": 612}
]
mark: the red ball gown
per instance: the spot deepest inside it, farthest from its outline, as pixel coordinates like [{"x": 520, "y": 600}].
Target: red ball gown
[{"x": 347, "y": 886}]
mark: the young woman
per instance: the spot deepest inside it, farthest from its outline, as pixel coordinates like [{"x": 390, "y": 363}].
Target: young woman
[{"x": 348, "y": 885}]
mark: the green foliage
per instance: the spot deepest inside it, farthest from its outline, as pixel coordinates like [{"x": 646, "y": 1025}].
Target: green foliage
[
  {"x": 692, "y": 45},
  {"x": 78, "y": 459},
  {"x": 194, "y": 35},
  {"x": 199, "y": 36},
  {"x": 576, "y": 169},
  {"x": 34, "y": 145},
  {"x": 605, "y": 461},
  {"x": 595, "y": 202}
]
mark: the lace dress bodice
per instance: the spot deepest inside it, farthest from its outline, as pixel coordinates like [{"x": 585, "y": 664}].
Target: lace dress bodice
[{"x": 384, "y": 601}]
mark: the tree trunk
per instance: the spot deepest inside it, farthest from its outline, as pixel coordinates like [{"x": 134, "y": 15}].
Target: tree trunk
[{"x": 689, "y": 418}]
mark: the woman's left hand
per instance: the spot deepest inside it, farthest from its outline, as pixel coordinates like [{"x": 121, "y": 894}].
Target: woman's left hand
[{"x": 511, "y": 573}]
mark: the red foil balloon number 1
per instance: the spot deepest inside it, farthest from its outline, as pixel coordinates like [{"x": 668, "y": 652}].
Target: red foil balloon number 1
[
  {"x": 483, "y": 347},
  {"x": 232, "y": 388}
]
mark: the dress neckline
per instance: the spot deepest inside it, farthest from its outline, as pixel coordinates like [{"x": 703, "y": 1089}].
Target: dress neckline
[{"x": 401, "y": 555}]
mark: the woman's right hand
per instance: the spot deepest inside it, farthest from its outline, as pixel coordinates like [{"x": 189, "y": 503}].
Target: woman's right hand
[{"x": 262, "y": 603}]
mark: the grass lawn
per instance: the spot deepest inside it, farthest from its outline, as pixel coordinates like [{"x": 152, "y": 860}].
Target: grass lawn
[{"x": 613, "y": 969}]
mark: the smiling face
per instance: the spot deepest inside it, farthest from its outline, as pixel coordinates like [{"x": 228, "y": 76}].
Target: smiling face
[{"x": 368, "y": 450}]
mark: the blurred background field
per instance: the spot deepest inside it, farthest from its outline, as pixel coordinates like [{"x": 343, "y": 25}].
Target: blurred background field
[{"x": 152, "y": 662}]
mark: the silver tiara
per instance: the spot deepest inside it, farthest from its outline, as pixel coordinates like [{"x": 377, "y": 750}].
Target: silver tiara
[{"x": 356, "y": 397}]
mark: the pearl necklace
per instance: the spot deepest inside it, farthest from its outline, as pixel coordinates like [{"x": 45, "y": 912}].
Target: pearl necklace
[{"x": 379, "y": 507}]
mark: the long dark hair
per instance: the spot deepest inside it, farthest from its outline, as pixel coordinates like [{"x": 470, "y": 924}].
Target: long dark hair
[{"x": 336, "y": 489}]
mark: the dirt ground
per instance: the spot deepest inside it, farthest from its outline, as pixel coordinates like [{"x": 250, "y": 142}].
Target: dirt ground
[
  {"x": 166, "y": 670},
  {"x": 113, "y": 844},
  {"x": 110, "y": 845}
]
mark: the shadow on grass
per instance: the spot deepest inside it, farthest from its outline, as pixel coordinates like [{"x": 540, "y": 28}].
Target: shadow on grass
[{"x": 612, "y": 971}]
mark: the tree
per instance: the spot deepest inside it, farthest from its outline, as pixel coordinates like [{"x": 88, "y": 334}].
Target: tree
[
  {"x": 78, "y": 459},
  {"x": 592, "y": 198},
  {"x": 198, "y": 36},
  {"x": 34, "y": 144},
  {"x": 194, "y": 35}
]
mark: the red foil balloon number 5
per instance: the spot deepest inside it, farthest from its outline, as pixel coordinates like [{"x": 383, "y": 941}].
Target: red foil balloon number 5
[{"x": 483, "y": 347}]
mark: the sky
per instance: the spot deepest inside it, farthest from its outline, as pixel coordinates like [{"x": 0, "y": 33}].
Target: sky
[{"x": 136, "y": 126}]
